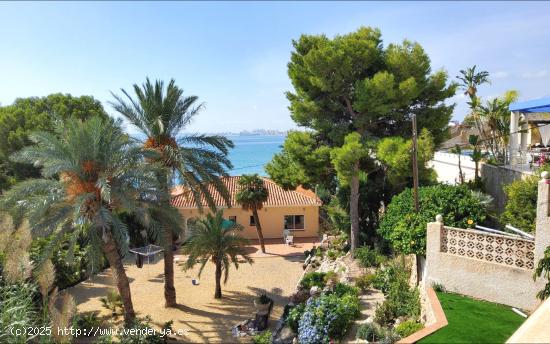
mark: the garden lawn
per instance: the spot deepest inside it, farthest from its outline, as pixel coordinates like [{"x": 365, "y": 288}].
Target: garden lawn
[{"x": 474, "y": 321}]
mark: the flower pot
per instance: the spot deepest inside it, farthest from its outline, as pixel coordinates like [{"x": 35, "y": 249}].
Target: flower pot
[{"x": 262, "y": 308}]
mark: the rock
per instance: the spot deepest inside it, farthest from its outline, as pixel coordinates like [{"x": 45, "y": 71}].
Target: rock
[
  {"x": 314, "y": 291},
  {"x": 299, "y": 296},
  {"x": 284, "y": 336},
  {"x": 369, "y": 320},
  {"x": 400, "y": 320}
]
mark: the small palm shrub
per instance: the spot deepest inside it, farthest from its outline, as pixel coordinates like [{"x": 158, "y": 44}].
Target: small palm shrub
[
  {"x": 263, "y": 299},
  {"x": 112, "y": 302},
  {"x": 87, "y": 321},
  {"x": 408, "y": 327},
  {"x": 211, "y": 240}
]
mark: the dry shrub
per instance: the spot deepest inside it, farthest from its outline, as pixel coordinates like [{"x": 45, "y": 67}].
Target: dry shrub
[{"x": 15, "y": 244}]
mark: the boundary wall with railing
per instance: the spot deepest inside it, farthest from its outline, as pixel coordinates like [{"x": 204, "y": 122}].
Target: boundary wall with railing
[{"x": 492, "y": 267}]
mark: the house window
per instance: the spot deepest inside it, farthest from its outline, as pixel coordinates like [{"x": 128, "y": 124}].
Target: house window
[
  {"x": 252, "y": 222},
  {"x": 294, "y": 222},
  {"x": 233, "y": 219}
]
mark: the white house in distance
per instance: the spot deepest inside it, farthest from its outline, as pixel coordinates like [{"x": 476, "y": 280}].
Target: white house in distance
[{"x": 529, "y": 133}]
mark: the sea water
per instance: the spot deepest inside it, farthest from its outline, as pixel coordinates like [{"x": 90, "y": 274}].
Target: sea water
[{"x": 253, "y": 152}]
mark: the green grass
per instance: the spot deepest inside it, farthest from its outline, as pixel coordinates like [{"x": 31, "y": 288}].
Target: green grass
[{"x": 474, "y": 321}]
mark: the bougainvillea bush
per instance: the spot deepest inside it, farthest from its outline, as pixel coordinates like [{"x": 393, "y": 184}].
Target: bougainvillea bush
[{"x": 405, "y": 228}]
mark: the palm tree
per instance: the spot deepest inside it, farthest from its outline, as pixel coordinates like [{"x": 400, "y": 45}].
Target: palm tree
[
  {"x": 215, "y": 239},
  {"x": 470, "y": 81},
  {"x": 91, "y": 171},
  {"x": 496, "y": 116},
  {"x": 477, "y": 156},
  {"x": 160, "y": 114},
  {"x": 251, "y": 196},
  {"x": 458, "y": 151}
]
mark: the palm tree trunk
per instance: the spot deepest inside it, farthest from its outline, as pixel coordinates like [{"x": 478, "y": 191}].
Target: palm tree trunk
[
  {"x": 119, "y": 274},
  {"x": 218, "y": 292},
  {"x": 354, "y": 206},
  {"x": 259, "y": 229},
  {"x": 169, "y": 289},
  {"x": 460, "y": 175}
]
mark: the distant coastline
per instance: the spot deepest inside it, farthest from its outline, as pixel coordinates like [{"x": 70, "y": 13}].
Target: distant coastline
[{"x": 256, "y": 132}]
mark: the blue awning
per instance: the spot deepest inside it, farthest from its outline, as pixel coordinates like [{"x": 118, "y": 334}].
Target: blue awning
[{"x": 535, "y": 105}]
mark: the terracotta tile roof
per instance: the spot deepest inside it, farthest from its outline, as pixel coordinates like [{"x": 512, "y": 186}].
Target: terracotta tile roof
[{"x": 182, "y": 197}]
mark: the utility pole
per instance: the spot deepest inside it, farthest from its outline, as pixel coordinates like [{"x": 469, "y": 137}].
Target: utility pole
[
  {"x": 415, "y": 163},
  {"x": 415, "y": 190}
]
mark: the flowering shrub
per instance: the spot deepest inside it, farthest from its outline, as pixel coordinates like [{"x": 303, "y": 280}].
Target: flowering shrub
[
  {"x": 294, "y": 316},
  {"x": 328, "y": 316}
]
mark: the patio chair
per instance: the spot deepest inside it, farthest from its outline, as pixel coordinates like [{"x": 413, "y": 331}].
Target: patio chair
[
  {"x": 286, "y": 233},
  {"x": 289, "y": 240}
]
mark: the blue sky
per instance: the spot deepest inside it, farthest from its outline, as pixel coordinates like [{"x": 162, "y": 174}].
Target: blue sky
[{"x": 233, "y": 55}]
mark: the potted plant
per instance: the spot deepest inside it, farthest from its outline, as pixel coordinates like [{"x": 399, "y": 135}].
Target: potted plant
[{"x": 263, "y": 304}]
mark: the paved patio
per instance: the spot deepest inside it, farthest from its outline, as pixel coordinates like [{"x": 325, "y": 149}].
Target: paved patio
[
  {"x": 276, "y": 247},
  {"x": 202, "y": 318}
]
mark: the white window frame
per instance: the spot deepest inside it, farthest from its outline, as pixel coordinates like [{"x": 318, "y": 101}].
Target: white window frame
[{"x": 294, "y": 222}]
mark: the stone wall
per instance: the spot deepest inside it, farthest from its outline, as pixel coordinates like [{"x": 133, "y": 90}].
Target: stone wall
[
  {"x": 495, "y": 177},
  {"x": 492, "y": 267}
]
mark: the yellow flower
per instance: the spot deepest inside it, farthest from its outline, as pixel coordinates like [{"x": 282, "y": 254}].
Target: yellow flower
[{"x": 470, "y": 221}]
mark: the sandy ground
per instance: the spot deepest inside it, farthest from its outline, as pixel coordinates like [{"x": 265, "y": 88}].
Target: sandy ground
[{"x": 203, "y": 318}]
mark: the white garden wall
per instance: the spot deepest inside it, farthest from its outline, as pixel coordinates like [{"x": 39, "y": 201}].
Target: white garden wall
[{"x": 487, "y": 266}]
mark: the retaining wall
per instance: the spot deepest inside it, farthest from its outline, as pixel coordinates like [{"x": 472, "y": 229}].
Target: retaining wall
[{"x": 492, "y": 267}]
